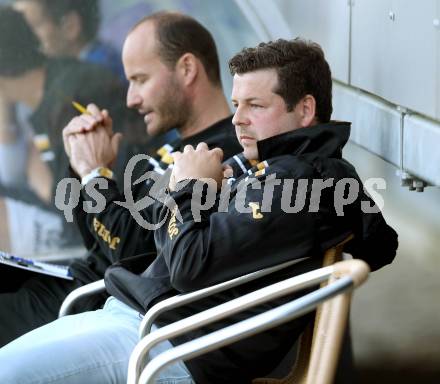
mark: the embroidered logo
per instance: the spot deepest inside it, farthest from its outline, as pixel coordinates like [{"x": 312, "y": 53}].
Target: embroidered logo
[
  {"x": 172, "y": 225},
  {"x": 256, "y": 214},
  {"x": 105, "y": 234}
]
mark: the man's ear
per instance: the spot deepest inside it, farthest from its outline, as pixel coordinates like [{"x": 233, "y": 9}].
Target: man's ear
[
  {"x": 308, "y": 111},
  {"x": 71, "y": 26},
  {"x": 187, "y": 68}
]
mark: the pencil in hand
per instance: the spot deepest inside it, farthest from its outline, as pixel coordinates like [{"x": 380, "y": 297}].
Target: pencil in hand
[{"x": 80, "y": 108}]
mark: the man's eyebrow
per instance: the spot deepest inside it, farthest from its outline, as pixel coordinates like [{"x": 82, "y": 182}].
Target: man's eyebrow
[
  {"x": 247, "y": 100},
  {"x": 137, "y": 75}
]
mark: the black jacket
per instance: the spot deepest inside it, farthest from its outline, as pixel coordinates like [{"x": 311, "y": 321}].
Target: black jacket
[
  {"x": 220, "y": 246},
  {"x": 114, "y": 234}
]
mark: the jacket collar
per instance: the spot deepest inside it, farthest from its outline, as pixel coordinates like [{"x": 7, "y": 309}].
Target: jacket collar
[{"x": 325, "y": 139}]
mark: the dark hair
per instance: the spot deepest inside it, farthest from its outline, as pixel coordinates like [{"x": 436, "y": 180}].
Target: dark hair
[
  {"x": 19, "y": 47},
  {"x": 87, "y": 10},
  {"x": 178, "y": 34},
  {"x": 301, "y": 67}
]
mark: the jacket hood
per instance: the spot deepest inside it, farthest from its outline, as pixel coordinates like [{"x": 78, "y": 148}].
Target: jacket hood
[{"x": 326, "y": 139}]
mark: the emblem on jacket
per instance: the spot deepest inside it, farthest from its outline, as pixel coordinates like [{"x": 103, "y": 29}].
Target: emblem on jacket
[
  {"x": 256, "y": 214},
  {"x": 104, "y": 233},
  {"x": 172, "y": 226}
]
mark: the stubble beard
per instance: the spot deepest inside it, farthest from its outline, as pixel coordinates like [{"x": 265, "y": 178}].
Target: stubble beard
[{"x": 173, "y": 110}]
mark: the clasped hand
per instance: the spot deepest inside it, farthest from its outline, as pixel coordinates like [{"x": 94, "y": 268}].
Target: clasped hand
[
  {"x": 200, "y": 163},
  {"x": 89, "y": 141}
]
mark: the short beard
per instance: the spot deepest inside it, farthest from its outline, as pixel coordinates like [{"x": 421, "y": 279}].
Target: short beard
[{"x": 175, "y": 109}]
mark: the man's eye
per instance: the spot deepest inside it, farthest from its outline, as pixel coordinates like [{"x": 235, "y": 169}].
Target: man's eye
[
  {"x": 141, "y": 80},
  {"x": 256, "y": 106}
]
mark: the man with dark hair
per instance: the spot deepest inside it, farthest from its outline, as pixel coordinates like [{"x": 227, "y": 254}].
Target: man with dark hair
[
  {"x": 301, "y": 63},
  {"x": 304, "y": 65},
  {"x": 70, "y": 28},
  {"x": 292, "y": 144}
]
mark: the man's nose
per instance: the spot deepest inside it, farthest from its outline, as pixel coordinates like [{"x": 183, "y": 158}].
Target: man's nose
[
  {"x": 240, "y": 117},
  {"x": 133, "y": 99}
]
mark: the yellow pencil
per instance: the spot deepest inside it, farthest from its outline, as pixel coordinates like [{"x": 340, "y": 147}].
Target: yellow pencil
[{"x": 80, "y": 108}]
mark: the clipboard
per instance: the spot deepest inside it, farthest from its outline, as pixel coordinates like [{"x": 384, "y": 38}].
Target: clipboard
[{"x": 56, "y": 270}]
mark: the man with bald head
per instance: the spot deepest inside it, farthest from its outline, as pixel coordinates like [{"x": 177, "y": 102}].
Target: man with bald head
[{"x": 171, "y": 63}]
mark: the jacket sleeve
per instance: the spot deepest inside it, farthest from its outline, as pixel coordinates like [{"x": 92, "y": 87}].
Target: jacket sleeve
[
  {"x": 222, "y": 245},
  {"x": 374, "y": 240},
  {"x": 115, "y": 230}
]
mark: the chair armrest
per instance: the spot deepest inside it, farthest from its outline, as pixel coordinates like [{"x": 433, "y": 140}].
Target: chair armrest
[
  {"x": 86, "y": 290},
  {"x": 357, "y": 273},
  {"x": 331, "y": 256},
  {"x": 182, "y": 299},
  {"x": 221, "y": 311}
]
